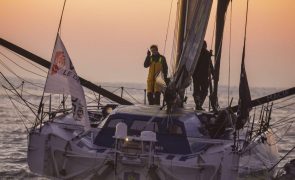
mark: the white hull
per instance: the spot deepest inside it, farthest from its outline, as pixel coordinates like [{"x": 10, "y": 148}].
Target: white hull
[
  {"x": 58, "y": 150},
  {"x": 52, "y": 152}
]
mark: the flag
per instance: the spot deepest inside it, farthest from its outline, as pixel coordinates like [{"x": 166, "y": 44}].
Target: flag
[
  {"x": 244, "y": 106},
  {"x": 63, "y": 79}
]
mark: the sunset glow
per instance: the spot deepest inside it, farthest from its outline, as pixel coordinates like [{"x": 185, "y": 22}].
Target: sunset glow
[{"x": 107, "y": 40}]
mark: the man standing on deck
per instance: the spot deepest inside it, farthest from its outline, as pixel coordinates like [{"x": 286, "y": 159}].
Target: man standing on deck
[
  {"x": 156, "y": 63},
  {"x": 201, "y": 77}
]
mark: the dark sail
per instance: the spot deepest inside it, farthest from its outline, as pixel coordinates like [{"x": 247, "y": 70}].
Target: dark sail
[
  {"x": 244, "y": 106},
  {"x": 220, "y": 20}
]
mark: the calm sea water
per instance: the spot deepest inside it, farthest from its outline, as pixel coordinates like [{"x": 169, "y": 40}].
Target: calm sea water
[{"x": 15, "y": 118}]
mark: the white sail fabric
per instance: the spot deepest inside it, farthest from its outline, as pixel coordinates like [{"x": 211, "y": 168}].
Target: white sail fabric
[
  {"x": 63, "y": 79},
  {"x": 198, "y": 13}
]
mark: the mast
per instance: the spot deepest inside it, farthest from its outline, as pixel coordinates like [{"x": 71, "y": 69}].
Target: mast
[
  {"x": 181, "y": 29},
  {"x": 192, "y": 25},
  {"x": 220, "y": 20}
]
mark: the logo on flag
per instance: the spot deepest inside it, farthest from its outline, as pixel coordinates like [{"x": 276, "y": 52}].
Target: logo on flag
[{"x": 59, "y": 62}]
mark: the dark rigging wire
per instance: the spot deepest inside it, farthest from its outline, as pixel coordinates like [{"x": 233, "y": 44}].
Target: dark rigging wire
[
  {"x": 21, "y": 57},
  {"x": 21, "y": 66},
  {"x": 229, "y": 51},
  {"x": 57, "y": 34},
  {"x": 281, "y": 159},
  {"x": 286, "y": 99},
  {"x": 168, "y": 27},
  {"x": 245, "y": 31},
  {"x": 20, "y": 78}
]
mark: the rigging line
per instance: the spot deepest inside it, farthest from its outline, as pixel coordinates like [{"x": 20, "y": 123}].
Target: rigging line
[
  {"x": 17, "y": 87},
  {"x": 229, "y": 52},
  {"x": 134, "y": 88},
  {"x": 290, "y": 119},
  {"x": 280, "y": 138},
  {"x": 91, "y": 98},
  {"x": 281, "y": 159},
  {"x": 21, "y": 115},
  {"x": 101, "y": 98},
  {"x": 131, "y": 96},
  {"x": 34, "y": 106},
  {"x": 21, "y": 66},
  {"x": 151, "y": 119},
  {"x": 60, "y": 20},
  {"x": 282, "y": 119},
  {"x": 20, "y": 97},
  {"x": 167, "y": 31},
  {"x": 15, "y": 93},
  {"x": 285, "y": 100},
  {"x": 21, "y": 57},
  {"x": 123, "y": 87},
  {"x": 281, "y": 107},
  {"x": 96, "y": 98},
  {"x": 11, "y": 71},
  {"x": 91, "y": 102},
  {"x": 30, "y": 94},
  {"x": 246, "y": 24},
  {"x": 27, "y": 93},
  {"x": 286, "y": 121}
]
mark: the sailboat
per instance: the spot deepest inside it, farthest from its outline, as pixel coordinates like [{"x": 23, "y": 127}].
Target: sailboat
[{"x": 152, "y": 142}]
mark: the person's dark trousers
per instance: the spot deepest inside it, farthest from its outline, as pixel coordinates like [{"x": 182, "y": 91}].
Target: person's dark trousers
[
  {"x": 196, "y": 94},
  {"x": 150, "y": 97},
  {"x": 157, "y": 98},
  {"x": 200, "y": 92},
  {"x": 203, "y": 92}
]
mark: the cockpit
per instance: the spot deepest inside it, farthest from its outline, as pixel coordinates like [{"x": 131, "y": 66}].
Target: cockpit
[{"x": 172, "y": 131}]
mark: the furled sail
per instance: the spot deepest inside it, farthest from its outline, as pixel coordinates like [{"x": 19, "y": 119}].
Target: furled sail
[{"x": 196, "y": 20}]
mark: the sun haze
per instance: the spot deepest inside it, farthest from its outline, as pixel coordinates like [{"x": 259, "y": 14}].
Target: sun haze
[{"x": 107, "y": 40}]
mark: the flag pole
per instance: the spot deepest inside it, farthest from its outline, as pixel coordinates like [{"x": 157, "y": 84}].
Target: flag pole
[
  {"x": 57, "y": 34},
  {"x": 60, "y": 20}
]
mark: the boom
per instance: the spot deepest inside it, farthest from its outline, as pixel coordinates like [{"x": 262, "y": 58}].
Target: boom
[
  {"x": 46, "y": 64},
  {"x": 269, "y": 98}
]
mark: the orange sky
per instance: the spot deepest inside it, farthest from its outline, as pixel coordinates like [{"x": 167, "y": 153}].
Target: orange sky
[{"x": 108, "y": 39}]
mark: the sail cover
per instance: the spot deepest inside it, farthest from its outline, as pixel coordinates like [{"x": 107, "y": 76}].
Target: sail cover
[
  {"x": 197, "y": 16},
  {"x": 63, "y": 79}
]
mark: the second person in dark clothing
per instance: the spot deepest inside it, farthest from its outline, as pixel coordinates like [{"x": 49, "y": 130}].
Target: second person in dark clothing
[
  {"x": 201, "y": 77},
  {"x": 156, "y": 64}
]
